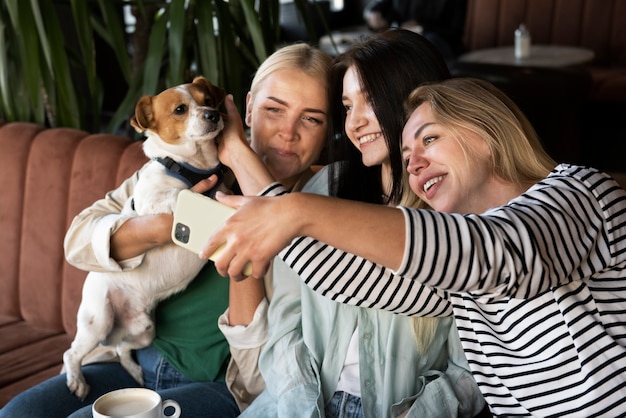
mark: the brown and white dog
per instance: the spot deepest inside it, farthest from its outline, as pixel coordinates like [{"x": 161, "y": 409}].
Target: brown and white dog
[{"x": 180, "y": 125}]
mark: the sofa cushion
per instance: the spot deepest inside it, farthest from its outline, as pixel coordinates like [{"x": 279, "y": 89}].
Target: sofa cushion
[
  {"x": 15, "y": 143},
  {"x": 48, "y": 176},
  {"x": 26, "y": 352},
  {"x": 100, "y": 163}
]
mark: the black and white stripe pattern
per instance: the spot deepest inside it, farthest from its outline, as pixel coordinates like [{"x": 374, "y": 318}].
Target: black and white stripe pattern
[{"x": 537, "y": 288}]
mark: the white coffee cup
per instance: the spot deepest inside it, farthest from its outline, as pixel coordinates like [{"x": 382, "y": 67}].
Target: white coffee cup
[{"x": 133, "y": 403}]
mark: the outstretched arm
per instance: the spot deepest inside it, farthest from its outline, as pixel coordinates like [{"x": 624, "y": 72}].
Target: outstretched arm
[{"x": 262, "y": 227}]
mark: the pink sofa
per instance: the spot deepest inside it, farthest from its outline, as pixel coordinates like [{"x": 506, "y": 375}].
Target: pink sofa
[{"x": 47, "y": 177}]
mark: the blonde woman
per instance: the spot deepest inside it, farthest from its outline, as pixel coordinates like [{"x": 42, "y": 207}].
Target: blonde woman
[
  {"x": 287, "y": 114},
  {"x": 189, "y": 357}
]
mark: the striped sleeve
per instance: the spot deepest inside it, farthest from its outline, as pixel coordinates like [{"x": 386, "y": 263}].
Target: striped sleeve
[
  {"x": 349, "y": 279},
  {"x": 552, "y": 235},
  {"x": 274, "y": 189}
]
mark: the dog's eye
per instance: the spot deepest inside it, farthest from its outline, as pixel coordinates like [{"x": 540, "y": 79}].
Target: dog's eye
[{"x": 180, "y": 110}]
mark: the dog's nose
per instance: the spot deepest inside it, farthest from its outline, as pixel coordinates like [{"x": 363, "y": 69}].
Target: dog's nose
[{"x": 212, "y": 115}]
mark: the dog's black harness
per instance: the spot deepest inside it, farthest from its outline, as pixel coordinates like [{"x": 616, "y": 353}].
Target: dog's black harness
[{"x": 191, "y": 175}]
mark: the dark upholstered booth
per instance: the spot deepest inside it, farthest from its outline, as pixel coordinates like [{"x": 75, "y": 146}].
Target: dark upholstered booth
[{"x": 578, "y": 112}]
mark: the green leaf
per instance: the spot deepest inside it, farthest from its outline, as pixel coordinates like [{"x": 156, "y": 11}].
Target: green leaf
[
  {"x": 87, "y": 59},
  {"x": 115, "y": 35},
  {"x": 176, "y": 42},
  {"x": 224, "y": 40},
  {"x": 126, "y": 108},
  {"x": 269, "y": 16},
  {"x": 7, "y": 112},
  {"x": 28, "y": 101},
  {"x": 254, "y": 26},
  {"x": 44, "y": 38},
  {"x": 84, "y": 35},
  {"x": 67, "y": 106},
  {"x": 154, "y": 56},
  {"x": 207, "y": 42},
  {"x": 49, "y": 92}
]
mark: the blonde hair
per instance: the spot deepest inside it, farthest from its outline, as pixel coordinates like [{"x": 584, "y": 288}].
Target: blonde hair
[
  {"x": 300, "y": 56},
  {"x": 424, "y": 328},
  {"x": 517, "y": 154}
]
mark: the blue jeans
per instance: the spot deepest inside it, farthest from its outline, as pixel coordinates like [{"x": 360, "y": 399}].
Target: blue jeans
[
  {"x": 344, "y": 405},
  {"x": 52, "y": 398}
]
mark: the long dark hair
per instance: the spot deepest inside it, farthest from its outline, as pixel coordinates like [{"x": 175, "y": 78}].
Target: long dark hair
[{"x": 390, "y": 65}]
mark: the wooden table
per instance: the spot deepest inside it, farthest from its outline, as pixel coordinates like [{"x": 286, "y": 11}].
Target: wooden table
[{"x": 540, "y": 56}]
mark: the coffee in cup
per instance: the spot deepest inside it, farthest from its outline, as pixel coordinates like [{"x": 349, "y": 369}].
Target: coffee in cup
[{"x": 134, "y": 403}]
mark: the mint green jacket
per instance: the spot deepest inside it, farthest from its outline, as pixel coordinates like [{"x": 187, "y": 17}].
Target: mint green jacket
[{"x": 309, "y": 337}]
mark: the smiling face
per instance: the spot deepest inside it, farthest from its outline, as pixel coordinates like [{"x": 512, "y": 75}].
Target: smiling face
[
  {"x": 287, "y": 117},
  {"x": 449, "y": 176},
  {"x": 361, "y": 125}
]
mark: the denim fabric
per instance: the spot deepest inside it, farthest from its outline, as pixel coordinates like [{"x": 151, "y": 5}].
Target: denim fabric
[
  {"x": 52, "y": 399},
  {"x": 344, "y": 405},
  {"x": 158, "y": 374}
]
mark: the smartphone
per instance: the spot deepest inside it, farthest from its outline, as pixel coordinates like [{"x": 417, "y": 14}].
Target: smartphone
[{"x": 196, "y": 218}]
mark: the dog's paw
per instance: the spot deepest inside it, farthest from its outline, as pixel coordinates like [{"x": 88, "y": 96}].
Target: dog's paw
[
  {"x": 136, "y": 372},
  {"x": 124, "y": 351},
  {"x": 73, "y": 375},
  {"x": 79, "y": 387}
]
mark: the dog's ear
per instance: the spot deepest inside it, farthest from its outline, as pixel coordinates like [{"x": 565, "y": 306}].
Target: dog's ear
[
  {"x": 143, "y": 114},
  {"x": 217, "y": 94}
]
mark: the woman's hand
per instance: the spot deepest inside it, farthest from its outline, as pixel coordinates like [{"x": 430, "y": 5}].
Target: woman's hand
[
  {"x": 256, "y": 233},
  {"x": 232, "y": 139},
  {"x": 235, "y": 152},
  {"x": 140, "y": 234},
  {"x": 206, "y": 184}
]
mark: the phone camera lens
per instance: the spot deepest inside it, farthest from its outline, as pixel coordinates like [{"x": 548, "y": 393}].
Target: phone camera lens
[{"x": 181, "y": 233}]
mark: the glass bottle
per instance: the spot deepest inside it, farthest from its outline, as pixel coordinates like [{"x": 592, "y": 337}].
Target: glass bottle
[{"x": 522, "y": 42}]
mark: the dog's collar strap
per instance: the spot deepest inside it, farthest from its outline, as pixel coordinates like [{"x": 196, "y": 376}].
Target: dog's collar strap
[{"x": 190, "y": 174}]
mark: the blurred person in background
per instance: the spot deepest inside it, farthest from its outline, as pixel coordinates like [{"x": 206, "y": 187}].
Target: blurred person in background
[{"x": 441, "y": 21}]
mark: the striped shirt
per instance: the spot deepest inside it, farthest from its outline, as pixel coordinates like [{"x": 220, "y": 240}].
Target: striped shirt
[{"x": 537, "y": 288}]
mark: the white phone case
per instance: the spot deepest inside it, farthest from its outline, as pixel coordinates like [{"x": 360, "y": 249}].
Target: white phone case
[{"x": 196, "y": 218}]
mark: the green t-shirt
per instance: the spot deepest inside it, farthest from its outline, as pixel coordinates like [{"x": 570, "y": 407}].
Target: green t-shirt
[{"x": 187, "y": 334}]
